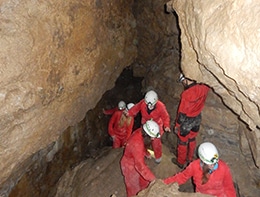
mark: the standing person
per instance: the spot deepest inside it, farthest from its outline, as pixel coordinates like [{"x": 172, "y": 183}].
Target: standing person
[
  {"x": 188, "y": 119},
  {"x": 120, "y": 127},
  {"x": 153, "y": 109},
  {"x": 137, "y": 175},
  {"x": 120, "y": 106},
  {"x": 210, "y": 175}
]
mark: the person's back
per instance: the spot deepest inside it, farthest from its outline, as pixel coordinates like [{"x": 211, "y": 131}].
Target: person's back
[
  {"x": 137, "y": 175},
  {"x": 134, "y": 147},
  {"x": 193, "y": 99}
]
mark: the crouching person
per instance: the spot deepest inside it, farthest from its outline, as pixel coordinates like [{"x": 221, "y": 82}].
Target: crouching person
[
  {"x": 137, "y": 175},
  {"x": 210, "y": 175}
]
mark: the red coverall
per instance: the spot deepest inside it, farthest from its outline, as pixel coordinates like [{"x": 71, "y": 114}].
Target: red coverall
[
  {"x": 110, "y": 111},
  {"x": 136, "y": 173},
  {"x": 120, "y": 132},
  {"x": 191, "y": 104},
  {"x": 220, "y": 182},
  {"x": 160, "y": 115}
]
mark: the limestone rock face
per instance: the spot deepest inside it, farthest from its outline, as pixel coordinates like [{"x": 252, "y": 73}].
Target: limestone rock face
[
  {"x": 57, "y": 59},
  {"x": 220, "y": 46}
]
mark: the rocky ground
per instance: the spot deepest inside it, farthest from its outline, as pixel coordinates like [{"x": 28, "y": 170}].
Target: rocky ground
[{"x": 101, "y": 177}]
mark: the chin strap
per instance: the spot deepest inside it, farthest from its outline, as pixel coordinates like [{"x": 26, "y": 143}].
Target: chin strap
[
  {"x": 215, "y": 167},
  {"x": 211, "y": 170}
]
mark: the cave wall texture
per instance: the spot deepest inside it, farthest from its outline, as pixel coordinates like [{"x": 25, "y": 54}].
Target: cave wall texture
[
  {"x": 59, "y": 57},
  {"x": 220, "y": 47}
]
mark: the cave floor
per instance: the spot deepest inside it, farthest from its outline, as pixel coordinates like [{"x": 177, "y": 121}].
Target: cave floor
[{"x": 101, "y": 176}]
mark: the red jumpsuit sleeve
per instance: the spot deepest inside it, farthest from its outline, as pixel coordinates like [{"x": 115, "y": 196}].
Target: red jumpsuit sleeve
[
  {"x": 165, "y": 116},
  {"x": 183, "y": 103},
  {"x": 180, "y": 177},
  {"x": 228, "y": 184},
  {"x": 111, "y": 125},
  {"x": 140, "y": 165},
  {"x": 110, "y": 111},
  {"x": 135, "y": 109}
]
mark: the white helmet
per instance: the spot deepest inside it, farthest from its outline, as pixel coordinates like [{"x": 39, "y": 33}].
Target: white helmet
[
  {"x": 181, "y": 78},
  {"x": 152, "y": 129},
  {"x": 208, "y": 153},
  {"x": 129, "y": 105},
  {"x": 151, "y": 98},
  {"x": 121, "y": 105}
]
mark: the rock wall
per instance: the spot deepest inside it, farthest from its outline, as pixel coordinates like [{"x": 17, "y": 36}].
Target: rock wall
[
  {"x": 158, "y": 57},
  {"x": 57, "y": 59},
  {"x": 220, "y": 47}
]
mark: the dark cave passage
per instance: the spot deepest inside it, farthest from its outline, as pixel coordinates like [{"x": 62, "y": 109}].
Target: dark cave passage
[{"x": 79, "y": 142}]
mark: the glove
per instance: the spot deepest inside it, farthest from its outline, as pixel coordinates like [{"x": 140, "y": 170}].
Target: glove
[{"x": 167, "y": 129}]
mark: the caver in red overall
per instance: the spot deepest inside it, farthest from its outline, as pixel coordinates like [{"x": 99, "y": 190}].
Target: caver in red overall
[
  {"x": 110, "y": 111},
  {"x": 120, "y": 128},
  {"x": 159, "y": 114},
  {"x": 220, "y": 181},
  {"x": 137, "y": 175},
  {"x": 188, "y": 120}
]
